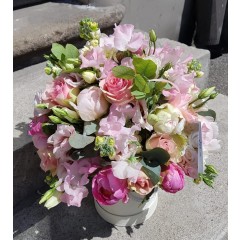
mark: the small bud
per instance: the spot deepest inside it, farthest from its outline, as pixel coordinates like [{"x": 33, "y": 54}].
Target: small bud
[
  {"x": 213, "y": 95},
  {"x": 47, "y": 195},
  {"x": 89, "y": 76},
  {"x": 41, "y": 105},
  {"x": 199, "y": 74},
  {"x": 71, "y": 115},
  {"x": 55, "y": 119},
  {"x": 54, "y": 200},
  {"x": 206, "y": 93},
  {"x": 211, "y": 169},
  {"x": 197, "y": 180},
  {"x": 152, "y": 35},
  {"x": 99, "y": 141},
  {"x": 94, "y": 42},
  {"x": 48, "y": 70},
  {"x": 59, "y": 112}
]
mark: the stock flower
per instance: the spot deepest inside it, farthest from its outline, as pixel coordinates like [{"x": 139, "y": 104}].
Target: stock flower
[
  {"x": 172, "y": 178},
  {"x": 143, "y": 185},
  {"x": 91, "y": 104},
  {"x": 48, "y": 160},
  {"x": 60, "y": 141},
  {"x": 166, "y": 119},
  {"x": 116, "y": 90},
  {"x": 107, "y": 189},
  {"x": 59, "y": 91}
]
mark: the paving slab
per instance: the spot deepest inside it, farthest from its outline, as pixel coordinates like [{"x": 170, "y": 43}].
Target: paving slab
[
  {"x": 195, "y": 213},
  {"x": 35, "y": 28}
]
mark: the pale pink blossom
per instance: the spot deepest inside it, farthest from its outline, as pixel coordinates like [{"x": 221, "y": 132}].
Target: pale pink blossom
[
  {"x": 60, "y": 141},
  {"x": 91, "y": 104},
  {"x": 116, "y": 90},
  {"x": 143, "y": 185},
  {"x": 107, "y": 189},
  {"x": 107, "y": 68}
]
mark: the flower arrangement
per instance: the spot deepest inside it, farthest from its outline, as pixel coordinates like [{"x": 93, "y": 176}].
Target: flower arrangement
[{"x": 124, "y": 115}]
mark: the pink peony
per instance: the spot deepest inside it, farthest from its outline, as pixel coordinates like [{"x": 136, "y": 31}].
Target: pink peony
[
  {"x": 60, "y": 143},
  {"x": 172, "y": 178},
  {"x": 107, "y": 189},
  {"x": 61, "y": 91},
  {"x": 38, "y": 136},
  {"x": 116, "y": 90},
  {"x": 189, "y": 162},
  {"x": 91, "y": 104},
  {"x": 143, "y": 185},
  {"x": 48, "y": 160}
]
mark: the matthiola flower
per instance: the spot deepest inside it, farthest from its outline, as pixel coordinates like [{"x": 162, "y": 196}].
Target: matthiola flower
[
  {"x": 116, "y": 90},
  {"x": 91, "y": 104},
  {"x": 38, "y": 136},
  {"x": 172, "y": 178},
  {"x": 38, "y": 100},
  {"x": 107, "y": 189},
  {"x": 48, "y": 160},
  {"x": 189, "y": 162},
  {"x": 60, "y": 91},
  {"x": 209, "y": 134},
  {"x": 166, "y": 119},
  {"x": 60, "y": 141},
  {"x": 143, "y": 185}
]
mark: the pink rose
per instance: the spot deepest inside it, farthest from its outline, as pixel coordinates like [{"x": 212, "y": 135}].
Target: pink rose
[
  {"x": 60, "y": 141},
  {"x": 189, "y": 162},
  {"x": 91, "y": 104},
  {"x": 116, "y": 90},
  {"x": 143, "y": 186},
  {"x": 60, "y": 91},
  {"x": 172, "y": 178},
  {"x": 39, "y": 138},
  {"x": 48, "y": 160},
  {"x": 107, "y": 189}
]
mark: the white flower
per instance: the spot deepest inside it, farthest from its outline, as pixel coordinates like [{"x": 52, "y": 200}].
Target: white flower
[{"x": 54, "y": 200}]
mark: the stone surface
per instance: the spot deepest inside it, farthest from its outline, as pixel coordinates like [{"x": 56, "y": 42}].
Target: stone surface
[
  {"x": 23, "y": 3},
  {"x": 37, "y": 27},
  {"x": 195, "y": 213}
]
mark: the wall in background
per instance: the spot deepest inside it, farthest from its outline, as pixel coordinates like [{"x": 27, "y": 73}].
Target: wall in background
[{"x": 164, "y": 16}]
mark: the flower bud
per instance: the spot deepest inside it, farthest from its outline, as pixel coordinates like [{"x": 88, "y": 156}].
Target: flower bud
[
  {"x": 71, "y": 115},
  {"x": 199, "y": 74},
  {"x": 152, "y": 119},
  {"x": 206, "y": 93},
  {"x": 54, "y": 200},
  {"x": 59, "y": 112},
  {"x": 47, "y": 195},
  {"x": 211, "y": 169},
  {"x": 48, "y": 70},
  {"x": 213, "y": 95},
  {"x": 55, "y": 119},
  {"x": 152, "y": 35},
  {"x": 89, "y": 76}
]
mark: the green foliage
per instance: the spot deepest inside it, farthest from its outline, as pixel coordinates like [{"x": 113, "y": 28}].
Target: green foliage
[
  {"x": 152, "y": 173},
  {"x": 123, "y": 72},
  {"x": 141, "y": 84},
  {"x": 209, "y": 112},
  {"x": 155, "y": 157},
  {"x": 78, "y": 141},
  {"x": 49, "y": 128},
  {"x": 89, "y": 128},
  {"x": 86, "y": 27},
  {"x": 164, "y": 69}
]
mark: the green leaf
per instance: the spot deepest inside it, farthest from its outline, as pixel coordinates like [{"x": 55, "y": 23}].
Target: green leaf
[
  {"x": 164, "y": 69},
  {"x": 155, "y": 178},
  {"x": 210, "y": 113},
  {"x": 58, "y": 50},
  {"x": 123, "y": 72},
  {"x": 160, "y": 86},
  {"x": 49, "y": 128},
  {"x": 78, "y": 141},
  {"x": 155, "y": 157},
  {"x": 138, "y": 95},
  {"x": 141, "y": 84},
  {"x": 146, "y": 68},
  {"x": 89, "y": 128},
  {"x": 71, "y": 51}
]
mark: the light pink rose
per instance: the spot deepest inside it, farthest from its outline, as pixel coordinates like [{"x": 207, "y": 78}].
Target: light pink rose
[
  {"x": 189, "y": 162},
  {"x": 116, "y": 90},
  {"x": 60, "y": 91},
  {"x": 91, "y": 104},
  {"x": 143, "y": 186},
  {"x": 39, "y": 138},
  {"x": 162, "y": 141},
  {"x": 172, "y": 178},
  {"x": 107, "y": 189},
  {"x": 48, "y": 160},
  {"x": 60, "y": 141}
]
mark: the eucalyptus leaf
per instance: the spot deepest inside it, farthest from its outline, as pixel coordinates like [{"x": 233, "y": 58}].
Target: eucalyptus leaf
[
  {"x": 155, "y": 179},
  {"x": 144, "y": 67},
  {"x": 58, "y": 50},
  {"x": 210, "y": 113},
  {"x": 71, "y": 51},
  {"x": 123, "y": 72},
  {"x": 89, "y": 128},
  {"x": 155, "y": 157},
  {"x": 78, "y": 141}
]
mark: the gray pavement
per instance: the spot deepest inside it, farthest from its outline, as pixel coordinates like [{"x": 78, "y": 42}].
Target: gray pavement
[{"x": 195, "y": 213}]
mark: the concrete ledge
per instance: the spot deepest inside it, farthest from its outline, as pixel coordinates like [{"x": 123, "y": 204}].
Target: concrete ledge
[
  {"x": 195, "y": 213},
  {"x": 37, "y": 27}
]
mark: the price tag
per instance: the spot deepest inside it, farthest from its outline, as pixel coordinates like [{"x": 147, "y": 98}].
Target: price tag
[{"x": 200, "y": 151}]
